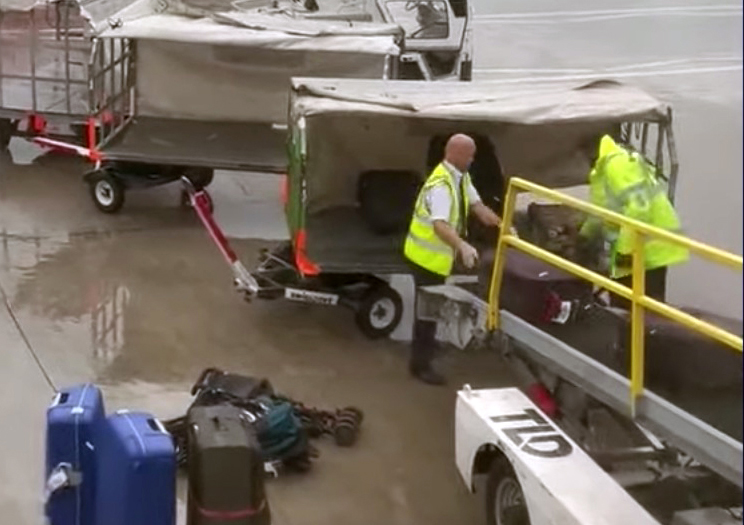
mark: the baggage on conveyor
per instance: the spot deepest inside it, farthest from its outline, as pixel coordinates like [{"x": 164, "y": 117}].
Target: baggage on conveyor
[
  {"x": 537, "y": 291},
  {"x": 73, "y": 421},
  {"x": 225, "y": 469},
  {"x": 137, "y": 460},
  {"x": 678, "y": 358},
  {"x": 555, "y": 228}
]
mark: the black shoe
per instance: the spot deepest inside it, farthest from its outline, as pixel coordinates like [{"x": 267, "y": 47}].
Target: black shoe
[{"x": 429, "y": 376}]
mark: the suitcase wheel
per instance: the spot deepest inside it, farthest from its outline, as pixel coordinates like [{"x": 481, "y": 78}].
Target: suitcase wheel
[{"x": 346, "y": 429}]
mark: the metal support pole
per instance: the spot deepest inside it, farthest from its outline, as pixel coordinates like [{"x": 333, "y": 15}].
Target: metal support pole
[
  {"x": 32, "y": 51},
  {"x": 637, "y": 324},
  {"x": 67, "y": 57},
  {"x": 500, "y": 259}
]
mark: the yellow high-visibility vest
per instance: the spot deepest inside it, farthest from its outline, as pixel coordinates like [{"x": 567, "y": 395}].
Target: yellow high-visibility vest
[
  {"x": 423, "y": 246},
  {"x": 626, "y": 183}
]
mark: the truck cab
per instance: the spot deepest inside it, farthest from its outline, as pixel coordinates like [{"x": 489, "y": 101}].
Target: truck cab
[{"x": 438, "y": 38}]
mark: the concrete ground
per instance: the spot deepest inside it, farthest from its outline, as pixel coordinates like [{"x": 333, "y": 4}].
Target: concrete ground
[{"x": 141, "y": 302}]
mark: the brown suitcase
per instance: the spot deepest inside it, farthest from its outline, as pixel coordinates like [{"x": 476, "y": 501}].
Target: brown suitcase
[
  {"x": 225, "y": 469},
  {"x": 556, "y": 228}
]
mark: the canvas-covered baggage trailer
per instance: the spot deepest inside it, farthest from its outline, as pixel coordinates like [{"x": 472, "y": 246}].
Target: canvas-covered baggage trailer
[
  {"x": 359, "y": 150},
  {"x": 157, "y": 90}
]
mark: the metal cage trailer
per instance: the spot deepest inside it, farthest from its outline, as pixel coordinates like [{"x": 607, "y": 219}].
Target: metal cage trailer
[{"x": 149, "y": 94}]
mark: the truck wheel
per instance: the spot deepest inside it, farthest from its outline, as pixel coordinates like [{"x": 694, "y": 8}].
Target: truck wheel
[
  {"x": 199, "y": 177},
  {"x": 466, "y": 71},
  {"x": 505, "y": 503},
  {"x": 107, "y": 192},
  {"x": 379, "y": 312},
  {"x": 7, "y": 129}
]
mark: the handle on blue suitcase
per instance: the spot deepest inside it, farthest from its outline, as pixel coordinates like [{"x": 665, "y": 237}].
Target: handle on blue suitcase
[
  {"x": 59, "y": 399},
  {"x": 155, "y": 424},
  {"x": 62, "y": 476}
]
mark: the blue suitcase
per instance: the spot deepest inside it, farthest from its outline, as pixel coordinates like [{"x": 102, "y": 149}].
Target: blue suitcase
[
  {"x": 136, "y": 472},
  {"x": 73, "y": 421}
]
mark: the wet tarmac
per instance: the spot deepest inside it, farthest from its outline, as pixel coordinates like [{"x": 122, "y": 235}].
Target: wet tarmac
[{"x": 141, "y": 302}]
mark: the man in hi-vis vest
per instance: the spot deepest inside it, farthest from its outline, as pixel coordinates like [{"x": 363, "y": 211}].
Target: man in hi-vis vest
[{"x": 436, "y": 238}]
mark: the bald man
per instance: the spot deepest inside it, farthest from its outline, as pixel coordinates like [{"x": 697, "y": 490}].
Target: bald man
[{"x": 436, "y": 238}]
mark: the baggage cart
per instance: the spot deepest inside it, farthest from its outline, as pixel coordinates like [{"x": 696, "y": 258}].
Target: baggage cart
[
  {"x": 150, "y": 93},
  {"x": 341, "y": 130}
]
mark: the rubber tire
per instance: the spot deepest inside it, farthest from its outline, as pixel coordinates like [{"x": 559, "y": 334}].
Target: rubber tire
[
  {"x": 7, "y": 130},
  {"x": 118, "y": 192},
  {"x": 466, "y": 71},
  {"x": 365, "y": 311},
  {"x": 199, "y": 177},
  {"x": 502, "y": 472}
]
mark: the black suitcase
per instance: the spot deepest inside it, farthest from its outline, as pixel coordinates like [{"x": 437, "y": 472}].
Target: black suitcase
[
  {"x": 215, "y": 386},
  {"x": 386, "y": 199},
  {"x": 225, "y": 471}
]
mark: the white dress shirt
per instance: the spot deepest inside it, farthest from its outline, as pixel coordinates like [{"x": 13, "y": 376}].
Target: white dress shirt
[{"x": 439, "y": 200}]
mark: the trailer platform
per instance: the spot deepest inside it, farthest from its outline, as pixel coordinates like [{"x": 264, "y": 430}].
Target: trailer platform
[{"x": 218, "y": 145}]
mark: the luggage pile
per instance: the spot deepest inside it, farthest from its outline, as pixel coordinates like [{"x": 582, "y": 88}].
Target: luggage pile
[
  {"x": 121, "y": 469},
  {"x": 283, "y": 426}
]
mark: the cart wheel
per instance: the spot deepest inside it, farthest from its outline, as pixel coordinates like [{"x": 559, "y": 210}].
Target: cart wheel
[
  {"x": 107, "y": 192},
  {"x": 7, "y": 129},
  {"x": 466, "y": 71},
  {"x": 505, "y": 503},
  {"x": 199, "y": 177},
  {"x": 379, "y": 312}
]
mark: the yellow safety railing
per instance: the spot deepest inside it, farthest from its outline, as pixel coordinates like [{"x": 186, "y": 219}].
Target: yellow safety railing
[{"x": 639, "y": 300}]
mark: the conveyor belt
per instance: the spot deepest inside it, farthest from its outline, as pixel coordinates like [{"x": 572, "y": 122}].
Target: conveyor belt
[{"x": 704, "y": 423}]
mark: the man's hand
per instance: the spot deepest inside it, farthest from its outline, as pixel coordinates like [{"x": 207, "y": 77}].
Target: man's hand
[{"x": 468, "y": 254}]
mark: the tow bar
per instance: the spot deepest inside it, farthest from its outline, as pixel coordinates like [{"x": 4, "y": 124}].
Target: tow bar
[{"x": 201, "y": 202}]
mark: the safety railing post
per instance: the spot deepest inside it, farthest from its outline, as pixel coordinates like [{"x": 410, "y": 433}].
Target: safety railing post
[
  {"x": 640, "y": 232},
  {"x": 500, "y": 258},
  {"x": 637, "y": 321}
]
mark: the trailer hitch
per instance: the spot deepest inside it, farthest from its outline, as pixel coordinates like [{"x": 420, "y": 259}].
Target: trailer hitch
[{"x": 201, "y": 202}]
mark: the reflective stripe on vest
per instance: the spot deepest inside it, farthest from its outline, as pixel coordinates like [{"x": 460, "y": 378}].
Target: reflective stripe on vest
[
  {"x": 423, "y": 246},
  {"x": 642, "y": 198}
]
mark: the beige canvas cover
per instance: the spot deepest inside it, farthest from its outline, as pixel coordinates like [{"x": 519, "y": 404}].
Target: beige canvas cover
[{"x": 358, "y": 125}]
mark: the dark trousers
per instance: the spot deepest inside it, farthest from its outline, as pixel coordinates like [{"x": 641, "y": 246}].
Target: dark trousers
[
  {"x": 655, "y": 287},
  {"x": 424, "y": 332}
]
